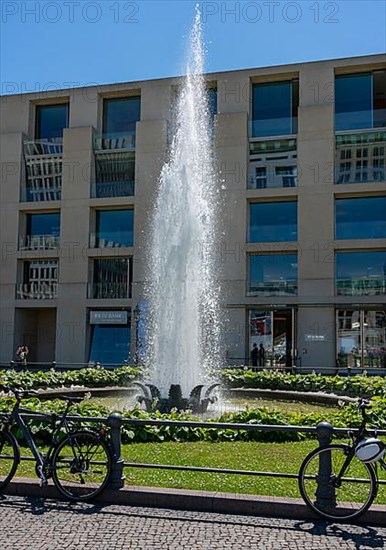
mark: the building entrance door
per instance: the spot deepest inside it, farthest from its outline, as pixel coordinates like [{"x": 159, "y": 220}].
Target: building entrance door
[{"x": 273, "y": 332}]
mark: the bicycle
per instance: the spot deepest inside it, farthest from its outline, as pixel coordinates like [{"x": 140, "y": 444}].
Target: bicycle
[
  {"x": 340, "y": 481},
  {"x": 79, "y": 462}
]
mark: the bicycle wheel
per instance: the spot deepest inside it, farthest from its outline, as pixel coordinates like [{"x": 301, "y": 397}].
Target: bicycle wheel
[
  {"x": 333, "y": 498},
  {"x": 9, "y": 458},
  {"x": 81, "y": 466}
]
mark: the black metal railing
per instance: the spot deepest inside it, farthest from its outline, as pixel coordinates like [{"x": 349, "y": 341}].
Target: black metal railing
[{"x": 324, "y": 433}]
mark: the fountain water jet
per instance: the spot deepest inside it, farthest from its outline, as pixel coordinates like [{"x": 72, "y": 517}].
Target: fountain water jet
[{"x": 183, "y": 293}]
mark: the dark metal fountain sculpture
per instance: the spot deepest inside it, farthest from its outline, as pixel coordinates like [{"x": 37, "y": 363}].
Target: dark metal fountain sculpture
[{"x": 195, "y": 403}]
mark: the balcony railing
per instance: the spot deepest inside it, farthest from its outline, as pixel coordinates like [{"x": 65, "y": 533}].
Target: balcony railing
[
  {"x": 43, "y": 147},
  {"x": 39, "y": 290},
  {"x": 116, "y": 240},
  {"x": 361, "y": 287},
  {"x": 360, "y": 157},
  {"x": 280, "y": 288},
  {"x": 44, "y": 170},
  {"x": 39, "y": 242},
  {"x": 109, "y": 291},
  {"x": 273, "y": 164},
  {"x": 114, "y": 142},
  {"x": 100, "y": 190}
]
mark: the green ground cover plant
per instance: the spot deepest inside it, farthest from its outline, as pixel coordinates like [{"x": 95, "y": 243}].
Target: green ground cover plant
[
  {"x": 347, "y": 416},
  {"x": 356, "y": 386},
  {"x": 89, "y": 377}
]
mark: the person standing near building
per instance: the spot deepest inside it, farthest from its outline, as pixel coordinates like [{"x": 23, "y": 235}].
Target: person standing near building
[
  {"x": 22, "y": 353},
  {"x": 261, "y": 354},
  {"x": 254, "y": 355}
]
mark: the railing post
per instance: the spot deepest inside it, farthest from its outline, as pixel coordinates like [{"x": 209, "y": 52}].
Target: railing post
[
  {"x": 117, "y": 479},
  {"x": 325, "y": 493}
]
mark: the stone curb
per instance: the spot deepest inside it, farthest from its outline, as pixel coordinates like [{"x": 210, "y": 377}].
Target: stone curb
[{"x": 202, "y": 501}]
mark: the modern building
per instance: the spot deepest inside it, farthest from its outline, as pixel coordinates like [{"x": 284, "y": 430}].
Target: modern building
[{"x": 301, "y": 148}]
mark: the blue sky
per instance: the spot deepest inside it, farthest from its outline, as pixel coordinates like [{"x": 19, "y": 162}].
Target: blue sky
[{"x": 61, "y": 43}]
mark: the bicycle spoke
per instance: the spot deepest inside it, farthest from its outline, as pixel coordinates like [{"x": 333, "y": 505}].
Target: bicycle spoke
[
  {"x": 330, "y": 495},
  {"x": 81, "y": 466}
]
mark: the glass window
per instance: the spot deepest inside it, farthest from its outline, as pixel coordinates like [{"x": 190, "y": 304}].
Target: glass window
[
  {"x": 361, "y": 339},
  {"x": 43, "y": 224},
  {"x": 51, "y": 121},
  {"x": 112, "y": 278},
  {"x": 361, "y": 273},
  {"x": 360, "y": 157},
  {"x": 273, "y": 274},
  {"x": 360, "y": 101},
  {"x": 362, "y": 218},
  {"x": 115, "y": 227},
  {"x": 273, "y": 221},
  {"x": 121, "y": 115},
  {"x": 110, "y": 344},
  {"x": 273, "y": 163},
  {"x": 274, "y": 108}
]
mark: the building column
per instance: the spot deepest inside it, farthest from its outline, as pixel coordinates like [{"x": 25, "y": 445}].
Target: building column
[
  {"x": 12, "y": 173},
  {"x": 74, "y": 242},
  {"x": 316, "y": 283}
]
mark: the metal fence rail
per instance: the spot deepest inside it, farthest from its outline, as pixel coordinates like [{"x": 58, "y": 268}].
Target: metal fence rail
[{"x": 323, "y": 431}]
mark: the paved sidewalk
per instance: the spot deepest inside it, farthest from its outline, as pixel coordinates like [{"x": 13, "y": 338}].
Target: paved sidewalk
[{"x": 31, "y": 523}]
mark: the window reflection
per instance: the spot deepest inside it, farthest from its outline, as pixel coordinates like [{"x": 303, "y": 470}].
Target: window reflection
[
  {"x": 51, "y": 121},
  {"x": 114, "y": 228},
  {"x": 273, "y": 221},
  {"x": 275, "y": 108},
  {"x": 360, "y": 101},
  {"x": 361, "y": 339},
  {"x": 120, "y": 115},
  {"x": 362, "y": 218},
  {"x": 272, "y": 275},
  {"x": 361, "y": 273},
  {"x": 110, "y": 344}
]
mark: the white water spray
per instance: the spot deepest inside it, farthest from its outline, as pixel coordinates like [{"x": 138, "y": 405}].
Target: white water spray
[{"x": 183, "y": 290}]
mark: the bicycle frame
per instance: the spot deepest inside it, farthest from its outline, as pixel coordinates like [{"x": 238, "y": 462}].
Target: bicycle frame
[
  {"x": 356, "y": 439},
  {"x": 41, "y": 461}
]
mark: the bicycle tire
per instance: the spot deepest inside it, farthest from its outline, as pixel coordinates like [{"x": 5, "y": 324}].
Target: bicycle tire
[
  {"x": 81, "y": 465},
  {"x": 330, "y": 499},
  {"x": 9, "y": 458}
]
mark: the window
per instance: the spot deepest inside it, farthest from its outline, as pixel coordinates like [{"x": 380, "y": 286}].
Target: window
[
  {"x": 360, "y": 157},
  {"x": 272, "y": 275},
  {"x": 42, "y": 231},
  {"x": 362, "y": 218},
  {"x": 121, "y": 115},
  {"x": 51, "y": 121},
  {"x": 275, "y": 108},
  {"x": 361, "y": 273},
  {"x": 360, "y": 101},
  {"x": 361, "y": 337},
  {"x": 272, "y": 163},
  {"x": 272, "y": 221},
  {"x": 40, "y": 280},
  {"x": 114, "y": 228},
  {"x": 110, "y": 344},
  {"x": 43, "y": 224},
  {"x": 112, "y": 278}
]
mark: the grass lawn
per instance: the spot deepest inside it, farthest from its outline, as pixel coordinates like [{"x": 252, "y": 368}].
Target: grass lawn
[{"x": 267, "y": 457}]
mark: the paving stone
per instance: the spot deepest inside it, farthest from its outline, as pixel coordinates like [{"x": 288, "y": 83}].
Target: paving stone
[{"x": 38, "y": 524}]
